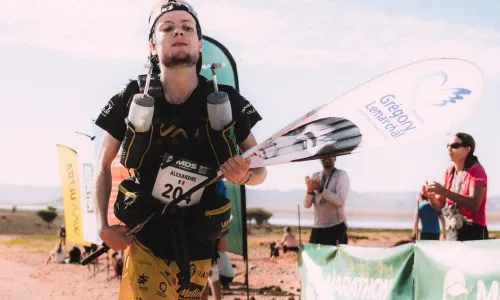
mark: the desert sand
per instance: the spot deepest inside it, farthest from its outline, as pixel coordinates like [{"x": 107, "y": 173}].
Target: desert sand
[{"x": 25, "y": 242}]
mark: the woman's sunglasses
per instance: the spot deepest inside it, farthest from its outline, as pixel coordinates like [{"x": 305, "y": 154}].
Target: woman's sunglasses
[{"x": 455, "y": 145}]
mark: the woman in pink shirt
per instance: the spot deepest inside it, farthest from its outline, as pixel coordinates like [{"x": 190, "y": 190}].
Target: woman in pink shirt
[{"x": 462, "y": 198}]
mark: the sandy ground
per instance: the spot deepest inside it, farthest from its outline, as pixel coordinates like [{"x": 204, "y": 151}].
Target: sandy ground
[
  {"x": 24, "y": 248},
  {"x": 24, "y": 275}
]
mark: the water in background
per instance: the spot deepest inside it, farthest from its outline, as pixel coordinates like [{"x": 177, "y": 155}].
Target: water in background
[
  {"x": 287, "y": 219},
  {"x": 371, "y": 223},
  {"x": 358, "y": 223}
]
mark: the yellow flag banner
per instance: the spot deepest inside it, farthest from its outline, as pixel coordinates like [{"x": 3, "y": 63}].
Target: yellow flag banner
[{"x": 70, "y": 183}]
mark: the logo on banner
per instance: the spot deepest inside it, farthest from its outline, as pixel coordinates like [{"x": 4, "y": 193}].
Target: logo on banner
[
  {"x": 434, "y": 90},
  {"x": 455, "y": 287},
  {"x": 389, "y": 117},
  {"x": 442, "y": 95},
  {"x": 87, "y": 180}
]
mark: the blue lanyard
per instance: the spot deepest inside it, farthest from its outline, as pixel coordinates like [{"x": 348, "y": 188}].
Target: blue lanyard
[{"x": 324, "y": 183}]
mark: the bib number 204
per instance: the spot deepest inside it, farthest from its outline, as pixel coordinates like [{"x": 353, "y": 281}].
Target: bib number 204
[{"x": 173, "y": 192}]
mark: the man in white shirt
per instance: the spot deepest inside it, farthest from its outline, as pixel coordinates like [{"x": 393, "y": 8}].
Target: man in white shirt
[{"x": 326, "y": 192}]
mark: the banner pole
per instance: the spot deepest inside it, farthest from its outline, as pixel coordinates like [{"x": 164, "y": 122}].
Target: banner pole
[
  {"x": 244, "y": 235},
  {"x": 300, "y": 230}
]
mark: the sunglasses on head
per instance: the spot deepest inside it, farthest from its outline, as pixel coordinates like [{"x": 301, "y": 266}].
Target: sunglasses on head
[
  {"x": 172, "y": 5},
  {"x": 455, "y": 145}
]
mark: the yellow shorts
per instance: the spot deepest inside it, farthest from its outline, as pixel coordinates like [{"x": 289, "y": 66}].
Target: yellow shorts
[{"x": 147, "y": 277}]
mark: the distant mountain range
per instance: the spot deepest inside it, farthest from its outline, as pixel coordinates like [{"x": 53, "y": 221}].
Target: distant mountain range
[
  {"x": 389, "y": 202},
  {"x": 272, "y": 200},
  {"x": 29, "y": 195},
  {"x": 289, "y": 199}
]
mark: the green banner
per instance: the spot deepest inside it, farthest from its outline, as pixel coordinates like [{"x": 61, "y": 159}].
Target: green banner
[
  {"x": 215, "y": 52},
  {"x": 457, "y": 270},
  {"x": 348, "y": 272},
  {"x": 235, "y": 241}
]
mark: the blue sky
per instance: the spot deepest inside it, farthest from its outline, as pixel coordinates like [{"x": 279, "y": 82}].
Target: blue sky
[{"x": 62, "y": 60}]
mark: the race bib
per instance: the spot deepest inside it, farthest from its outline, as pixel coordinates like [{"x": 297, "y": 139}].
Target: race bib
[{"x": 176, "y": 177}]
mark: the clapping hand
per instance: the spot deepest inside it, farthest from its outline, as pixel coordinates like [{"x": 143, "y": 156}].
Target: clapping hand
[
  {"x": 434, "y": 188},
  {"x": 312, "y": 183}
]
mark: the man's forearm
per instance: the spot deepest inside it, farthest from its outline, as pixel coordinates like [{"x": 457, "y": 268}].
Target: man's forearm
[
  {"x": 338, "y": 197},
  {"x": 333, "y": 198},
  {"x": 308, "y": 200},
  {"x": 103, "y": 192}
]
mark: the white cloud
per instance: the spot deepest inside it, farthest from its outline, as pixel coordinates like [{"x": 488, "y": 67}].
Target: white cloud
[
  {"x": 305, "y": 33},
  {"x": 89, "y": 28},
  {"x": 326, "y": 32}
]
